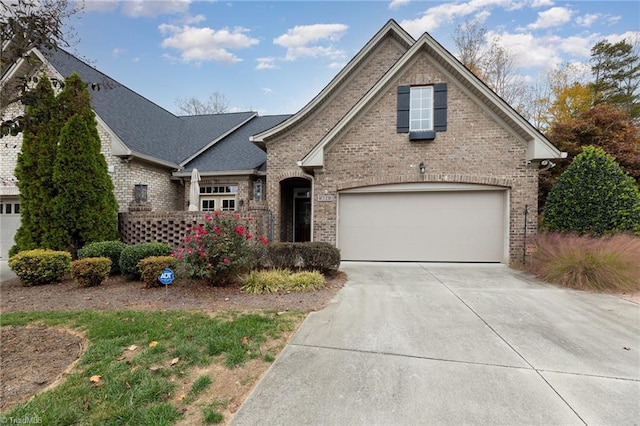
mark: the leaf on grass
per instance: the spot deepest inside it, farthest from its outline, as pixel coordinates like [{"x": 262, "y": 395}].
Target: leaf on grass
[
  {"x": 127, "y": 385},
  {"x": 245, "y": 340},
  {"x": 95, "y": 378},
  {"x": 175, "y": 361},
  {"x": 155, "y": 368},
  {"x": 87, "y": 402},
  {"x": 132, "y": 348},
  {"x": 181, "y": 397},
  {"x": 153, "y": 344}
]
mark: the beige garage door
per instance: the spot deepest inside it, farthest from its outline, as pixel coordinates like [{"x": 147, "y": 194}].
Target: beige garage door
[{"x": 438, "y": 224}]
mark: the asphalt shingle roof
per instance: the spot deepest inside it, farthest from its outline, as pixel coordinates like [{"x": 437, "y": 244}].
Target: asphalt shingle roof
[
  {"x": 143, "y": 126},
  {"x": 236, "y": 152}
]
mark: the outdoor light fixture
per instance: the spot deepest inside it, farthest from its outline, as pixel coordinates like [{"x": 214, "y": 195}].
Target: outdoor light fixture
[
  {"x": 140, "y": 193},
  {"x": 422, "y": 167}
]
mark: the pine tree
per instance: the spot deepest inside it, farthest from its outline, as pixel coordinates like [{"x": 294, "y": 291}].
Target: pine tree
[
  {"x": 34, "y": 168},
  {"x": 616, "y": 69}
]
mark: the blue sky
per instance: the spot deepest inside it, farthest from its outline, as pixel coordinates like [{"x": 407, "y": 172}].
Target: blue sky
[{"x": 274, "y": 56}]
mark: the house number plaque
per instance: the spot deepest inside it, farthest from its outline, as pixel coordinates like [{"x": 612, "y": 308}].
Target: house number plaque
[{"x": 325, "y": 197}]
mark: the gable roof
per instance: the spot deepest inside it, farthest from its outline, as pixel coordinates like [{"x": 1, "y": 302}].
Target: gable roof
[
  {"x": 142, "y": 128},
  {"x": 390, "y": 29},
  {"x": 538, "y": 146},
  {"x": 234, "y": 152}
]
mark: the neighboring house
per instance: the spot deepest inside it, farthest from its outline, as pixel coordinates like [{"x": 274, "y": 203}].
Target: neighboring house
[
  {"x": 150, "y": 152},
  {"x": 404, "y": 156}
]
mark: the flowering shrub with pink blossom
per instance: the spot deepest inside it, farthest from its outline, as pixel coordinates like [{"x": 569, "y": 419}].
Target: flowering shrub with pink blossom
[{"x": 220, "y": 249}]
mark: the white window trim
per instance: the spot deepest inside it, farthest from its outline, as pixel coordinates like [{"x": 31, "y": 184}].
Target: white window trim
[{"x": 427, "y": 108}]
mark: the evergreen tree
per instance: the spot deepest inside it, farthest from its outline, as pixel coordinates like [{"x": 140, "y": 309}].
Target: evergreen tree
[
  {"x": 85, "y": 209},
  {"x": 593, "y": 196},
  {"x": 616, "y": 69},
  {"x": 34, "y": 168}
]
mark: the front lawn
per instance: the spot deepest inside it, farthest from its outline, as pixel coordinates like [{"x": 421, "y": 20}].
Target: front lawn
[{"x": 154, "y": 368}]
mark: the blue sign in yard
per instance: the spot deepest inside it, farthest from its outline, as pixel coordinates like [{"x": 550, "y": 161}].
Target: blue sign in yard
[{"x": 166, "y": 277}]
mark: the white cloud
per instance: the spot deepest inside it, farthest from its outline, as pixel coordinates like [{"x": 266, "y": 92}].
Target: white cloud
[
  {"x": 312, "y": 41},
  {"x": 397, "y": 3},
  {"x": 542, "y": 3},
  {"x": 267, "y": 91},
  {"x": 445, "y": 13},
  {"x": 266, "y": 63},
  {"x": 337, "y": 65},
  {"x": 117, "y": 52},
  {"x": 137, "y": 8},
  {"x": 206, "y": 44},
  {"x": 546, "y": 52},
  {"x": 629, "y": 36},
  {"x": 588, "y": 19},
  {"x": 553, "y": 17}
]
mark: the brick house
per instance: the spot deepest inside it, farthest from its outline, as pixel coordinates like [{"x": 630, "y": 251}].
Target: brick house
[
  {"x": 404, "y": 156},
  {"x": 150, "y": 154}
]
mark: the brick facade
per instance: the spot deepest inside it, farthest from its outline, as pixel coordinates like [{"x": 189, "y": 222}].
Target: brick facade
[{"x": 476, "y": 148}]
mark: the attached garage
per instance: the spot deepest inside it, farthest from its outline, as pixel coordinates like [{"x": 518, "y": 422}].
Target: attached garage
[{"x": 424, "y": 222}]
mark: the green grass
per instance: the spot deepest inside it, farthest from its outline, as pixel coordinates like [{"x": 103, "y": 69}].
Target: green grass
[
  {"x": 131, "y": 392},
  {"x": 602, "y": 264}
]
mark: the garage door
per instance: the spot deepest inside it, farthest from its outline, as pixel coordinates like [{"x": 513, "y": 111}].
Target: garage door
[
  {"x": 445, "y": 223},
  {"x": 9, "y": 223}
]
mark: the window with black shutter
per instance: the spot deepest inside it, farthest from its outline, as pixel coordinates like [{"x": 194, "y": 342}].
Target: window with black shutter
[{"x": 422, "y": 110}]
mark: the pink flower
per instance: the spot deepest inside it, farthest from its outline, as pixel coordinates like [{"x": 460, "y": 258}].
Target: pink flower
[
  {"x": 264, "y": 241},
  {"x": 249, "y": 236},
  {"x": 216, "y": 213},
  {"x": 239, "y": 230},
  {"x": 208, "y": 217},
  {"x": 225, "y": 260},
  {"x": 190, "y": 251},
  {"x": 187, "y": 239},
  {"x": 201, "y": 254},
  {"x": 180, "y": 256},
  {"x": 216, "y": 229}
]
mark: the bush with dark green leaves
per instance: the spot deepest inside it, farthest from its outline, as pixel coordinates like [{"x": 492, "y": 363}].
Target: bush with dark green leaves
[
  {"x": 90, "y": 271},
  {"x": 594, "y": 196},
  {"x": 110, "y": 249},
  {"x": 36, "y": 267},
  {"x": 309, "y": 256},
  {"x": 133, "y": 254}
]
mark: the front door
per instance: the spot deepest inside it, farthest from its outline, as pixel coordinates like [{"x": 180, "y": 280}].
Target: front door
[{"x": 301, "y": 215}]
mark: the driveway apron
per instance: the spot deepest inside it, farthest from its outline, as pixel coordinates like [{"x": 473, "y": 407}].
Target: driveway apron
[{"x": 452, "y": 344}]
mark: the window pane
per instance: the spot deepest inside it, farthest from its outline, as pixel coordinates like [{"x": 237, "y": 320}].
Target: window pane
[
  {"x": 1, "y": 208},
  {"x": 8, "y": 208},
  {"x": 421, "y": 114},
  {"x": 16, "y": 208},
  {"x": 228, "y": 204},
  {"x": 208, "y": 205}
]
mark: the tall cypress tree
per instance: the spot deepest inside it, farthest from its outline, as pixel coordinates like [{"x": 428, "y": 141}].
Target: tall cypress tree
[
  {"x": 34, "y": 167},
  {"x": 85, "y": 208}
]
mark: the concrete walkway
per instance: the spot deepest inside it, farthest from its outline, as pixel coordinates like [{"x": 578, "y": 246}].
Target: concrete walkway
[{"x": 408, "y": 344}]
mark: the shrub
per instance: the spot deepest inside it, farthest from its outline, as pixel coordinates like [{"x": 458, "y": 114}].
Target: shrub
[
  {"x": 151, "y": 267},
  {"x": 583, "y": 262},
  {"x": 132, "y": 254},
  {"x": 220, "y": 250},
  {"x": 35, "y": 267},
  {"x": 274, "y": 280},
  {"x": 110, "y": 249},
  {"x": 309, "y": 256},
  {"x": 593, "y": 196},
  {"x": 91, "y": 271}
]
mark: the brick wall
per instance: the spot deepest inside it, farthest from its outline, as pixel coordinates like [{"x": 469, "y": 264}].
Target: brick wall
[
  {"x": 475, "y": 149},
  {"x": 284, "y": 152},
  {"x": 171, "y": 227}
]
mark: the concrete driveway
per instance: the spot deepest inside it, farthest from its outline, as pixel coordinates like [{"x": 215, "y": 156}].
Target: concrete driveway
[{"x": 448, "y": 344}]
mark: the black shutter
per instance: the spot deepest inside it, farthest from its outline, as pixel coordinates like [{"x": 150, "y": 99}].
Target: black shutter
[
  {"x": 404, "y": 96},
  {"x": 440, "y": 107}
]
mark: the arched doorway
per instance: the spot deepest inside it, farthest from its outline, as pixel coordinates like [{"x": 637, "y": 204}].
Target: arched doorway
[{"x": 295, "y": 210}]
